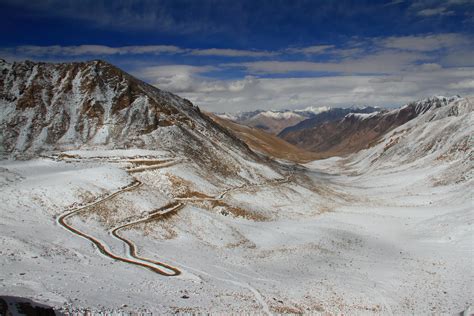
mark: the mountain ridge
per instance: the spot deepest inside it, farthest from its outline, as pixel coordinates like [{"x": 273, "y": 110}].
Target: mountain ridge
[
  {"x": 90, "y": 105},
  {"x": 276, "y": 121},
  {"x": 356, "y": 131},
  {"x": 331, "y": 114}
]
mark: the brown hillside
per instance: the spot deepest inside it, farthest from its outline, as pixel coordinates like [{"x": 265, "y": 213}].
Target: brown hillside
[{"x": 266, "y": 143}]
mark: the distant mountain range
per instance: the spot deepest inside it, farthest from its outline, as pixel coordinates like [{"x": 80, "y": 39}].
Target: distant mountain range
[
  {"x": 93, "y": 104},
  {"x": 330, "y": 115},
  {"x": 346, "y": 131},
  {"x": 134, "y": 191},
  {"x": 275, "y": 121},
  {"x": 331, "y": 131}
]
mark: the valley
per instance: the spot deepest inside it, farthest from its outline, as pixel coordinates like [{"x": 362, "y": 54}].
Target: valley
[
  {"x": 328, "y": 239},
  {"x": 118, "y": 197}
]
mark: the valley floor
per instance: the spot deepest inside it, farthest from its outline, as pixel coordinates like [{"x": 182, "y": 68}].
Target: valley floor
[{"x": 322, "y": 238}]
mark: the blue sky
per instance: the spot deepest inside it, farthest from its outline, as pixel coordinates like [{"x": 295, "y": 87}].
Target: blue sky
[{"x": 242, "y": 55}]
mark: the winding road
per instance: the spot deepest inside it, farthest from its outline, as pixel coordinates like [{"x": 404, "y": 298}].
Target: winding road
[
  {"x": 154, "y": 266},
  {"x": 178, "y": 203},
  {"x": 102, "y": 248},
  {"x": 170, "y": 208}
]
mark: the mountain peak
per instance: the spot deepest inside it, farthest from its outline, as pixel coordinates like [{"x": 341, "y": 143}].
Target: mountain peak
[
  {"x": 55, "y": 106},
  {"x": 315, "y": 109}
]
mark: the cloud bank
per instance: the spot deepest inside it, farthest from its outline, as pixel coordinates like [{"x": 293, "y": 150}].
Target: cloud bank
[{"x": 382, "y": 71}]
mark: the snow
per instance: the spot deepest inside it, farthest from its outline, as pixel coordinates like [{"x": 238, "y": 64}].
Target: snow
[
  {"x": 72, "y": 110},
  {"x": 362, "y": 116},
  {"x": 227, "y": 116},
  {"x": 280, "y": 115},
  {"x": 23, "y": 137},
  {"x": 388, "y": 230},
  {"x": 4, "y": 65},
  {"x": 315, "y": 109},
  {"x": 118, "y": 153},
  {"x": 380, "y": 244},
  {"x": 274, "y": 114},
  {"x": 54, "y": 185}
]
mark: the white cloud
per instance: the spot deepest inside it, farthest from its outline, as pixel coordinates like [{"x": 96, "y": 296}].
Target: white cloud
[
  {"x": 467, "y": 84},
  {"x": 380, "y": 71},
  {"x": 459, "y": 57},
  {"x": 170, "y": 70},
  {"x": 394, "y": 2},
  {"x": 176, "y": 78},
  {"x": 381, "y": 62},
  {"x": 457, "y": 2},
  {"x": 231, "y": 52},
  {"x": 347, "y": 52},
  {"x": 189, "y": 79},
  {"x": 310, "y": 50},
  {"x": 345, "y": 90},
  {"x": 95, "y": 50},
  {"x": 435, "y": 11},
  {"x": 425, "y": 43},
  {"x": 150, "y": 49},
  {"x": 430, "y": 67},
  {"x": 385, "y": 79},
  {"x": 280, "y": 93},
  {"x": 325, "y": 49},
  {"x": 79, "y": 50}
]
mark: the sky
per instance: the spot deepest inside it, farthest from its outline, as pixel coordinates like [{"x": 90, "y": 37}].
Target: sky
[{"x": 230, "y": 56}]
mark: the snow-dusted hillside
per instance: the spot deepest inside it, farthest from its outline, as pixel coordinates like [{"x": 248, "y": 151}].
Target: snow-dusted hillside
[
  {"x": 133, "y": 192},
  {"x": 440, "y": 136},
  {"x": 51, "y": 106},
  {"x": 323, "y": 116},
  {"x": 93, "y": 105},
  {"x": 349, "y": 131},
  {"x": 278, "y": 114},
  {"x": 386, "y": 231}
]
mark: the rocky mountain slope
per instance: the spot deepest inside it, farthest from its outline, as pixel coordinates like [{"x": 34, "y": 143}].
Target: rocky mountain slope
[
  {"x": 47, "y": 107},
  {"x": 440, "y": 136},
  {"x": 356, "y": 131},
  {"x": 378, "y": 232},
  {"x": 330, "y": 115},
  {"x": 266, "y": 143}
]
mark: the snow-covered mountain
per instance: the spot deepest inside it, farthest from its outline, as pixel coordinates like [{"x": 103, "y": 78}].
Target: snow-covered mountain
[
  {"x": 273, "y": 121},
  {"x": 66, "y": 106},
  {"x": 329, "y": 115},
  {"x": 356, "y": 130},
  {"x": 440, "y": 136},
  {"x": 48, "y": 106},
  {"x": 187, "y": 212}
]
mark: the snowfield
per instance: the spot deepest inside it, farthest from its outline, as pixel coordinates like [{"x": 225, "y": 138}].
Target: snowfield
[{"x": 388, "y": 230}]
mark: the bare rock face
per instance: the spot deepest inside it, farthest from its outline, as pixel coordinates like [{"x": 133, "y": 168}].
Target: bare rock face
[
  {"x": 357, "y": 131},
  {"x": 48, "y": 106},
  {"x": 53, "y": 106}
]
